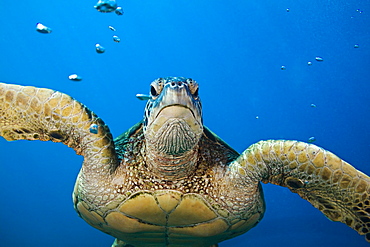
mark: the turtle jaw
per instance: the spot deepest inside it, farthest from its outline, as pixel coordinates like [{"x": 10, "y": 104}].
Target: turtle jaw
[
  {"x": 174, "y": 131},
  {"x": 173, "y": 111}
]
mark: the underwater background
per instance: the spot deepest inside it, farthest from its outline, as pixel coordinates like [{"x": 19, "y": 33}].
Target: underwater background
[{"x": 235, "y": 50}]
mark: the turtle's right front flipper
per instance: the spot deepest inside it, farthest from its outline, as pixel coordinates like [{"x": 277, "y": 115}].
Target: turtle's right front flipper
[
  {"x": 32, "y": 113},
  {"x": 330, "y": 184}
]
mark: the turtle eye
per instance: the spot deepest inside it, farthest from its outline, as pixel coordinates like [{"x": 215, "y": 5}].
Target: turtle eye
[
  {"x": 156, "y": 87},
  {"x": 153, "y": 92}
]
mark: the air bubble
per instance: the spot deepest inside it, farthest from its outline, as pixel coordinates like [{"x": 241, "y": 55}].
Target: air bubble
[
  {"x": 94, "y": 129},
  {"x": 99, "y": 48},
  {"x": 311, "y": 139},
  {"x": 116, "y": 38},
  {"x": 106, "y": 6},
  {"x": 42, "y": 28},
  {"x": 75, "y": 77},
  {"x": 119, "y": 11},
  {"x": 141, "y": 96}
]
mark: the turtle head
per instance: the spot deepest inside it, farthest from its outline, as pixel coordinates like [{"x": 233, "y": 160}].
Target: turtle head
[{"x": 173, "y": 116}]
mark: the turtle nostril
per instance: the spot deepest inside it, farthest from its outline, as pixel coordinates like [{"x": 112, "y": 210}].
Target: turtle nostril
[
  {"x": 172, "y": 84},
  {"x": 179, "y": 83}
]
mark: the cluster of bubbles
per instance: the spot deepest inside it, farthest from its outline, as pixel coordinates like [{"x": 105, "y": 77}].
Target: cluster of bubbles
[
  {"x": 318, "y": 58},
  {"x": 359, "y": 11},
  {"x": 103, "y": 6},
  {"x": 108, "y": 6},
  {"x": 309, "y": 63}
]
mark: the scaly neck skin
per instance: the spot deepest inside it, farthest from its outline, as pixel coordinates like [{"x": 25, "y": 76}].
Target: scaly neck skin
[
  {"x": 172, "y": 147},
  {"x": 171, "y": 167}
]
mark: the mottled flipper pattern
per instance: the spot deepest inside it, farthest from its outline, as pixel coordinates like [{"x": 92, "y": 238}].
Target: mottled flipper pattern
[
  {"x": 32, "y": 113},
  {"x": 330, "y": 184}
]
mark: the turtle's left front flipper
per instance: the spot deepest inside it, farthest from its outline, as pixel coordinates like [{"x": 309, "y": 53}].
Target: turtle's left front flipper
[
  {"x": 31, "y": 113},
  {"x": 330, "y": 184}
]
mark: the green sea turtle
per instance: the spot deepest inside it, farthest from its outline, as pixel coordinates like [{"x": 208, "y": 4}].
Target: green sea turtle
[{"x": 170, "y": 181}]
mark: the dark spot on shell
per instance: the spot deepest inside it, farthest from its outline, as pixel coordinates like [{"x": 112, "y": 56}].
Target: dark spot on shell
[
  {"x": 88, "y": 112},
  {"x": 21, "y": 131},
  {"x": 348, "y": 221},
  {"x": 26, "y": 131},
  {"x": 18, "y": 131},
  {"x": 357, "y": 227},
  {"x": 329, "y": 206},
  {"x": 333, "y": 215},
  {"x": 294, "y": 183},
  {"x": 325, "y": 203},
  {"x": 361, "y": 213},
  {"x": 57, "y": 135},
  {"x": 367, "y": 237},
  {"x": 365, "y": 219}
]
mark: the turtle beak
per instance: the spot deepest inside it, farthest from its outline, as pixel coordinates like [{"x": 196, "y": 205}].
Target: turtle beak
[
  {"x": 175, "y": 101},
  {"x": 178, "y": 94}
]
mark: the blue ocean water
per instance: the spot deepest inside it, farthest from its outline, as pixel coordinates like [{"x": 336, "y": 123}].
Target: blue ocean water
[{"x": 235, "y": 50}]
